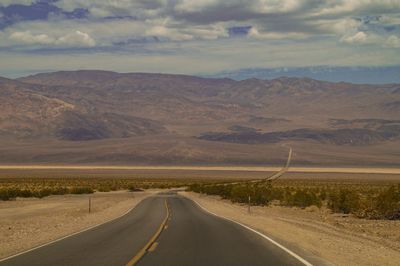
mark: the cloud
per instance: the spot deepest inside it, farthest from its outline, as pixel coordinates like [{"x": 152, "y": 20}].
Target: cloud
[
  {"x": 341, "y": 26},
  {"x": 141, "y": 9},
  {"x": 255, "y": 33},
  {"x": 29, "y": 38},
  {"x": 108, "y": 32},
  {"x": 74, "y": 39},
  {"x": 173, "y": 34},
  {"x": 357, "y": 7},
  {"x": 359, "y": 37},
  {"x": 393, "y": 42},
  {"x": 226, "y": 34},
  {"x": 253, "y": 6},
  {"x": 5, "y": 3},
  {"x": 77, "y": 38},
  {"x": 390, "y": 19}
]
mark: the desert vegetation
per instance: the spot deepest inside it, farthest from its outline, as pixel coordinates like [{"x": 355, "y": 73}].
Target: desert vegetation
[
  {"x": 368, "y": 199},
  {"x": 364, "y": 200},
  {"x": 11, "y": 188}
]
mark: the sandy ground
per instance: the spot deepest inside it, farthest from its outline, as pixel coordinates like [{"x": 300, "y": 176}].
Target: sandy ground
[
  {"x": 317, "y": 235},
  {"x": 26, "y": 223},
  {"x": 366, "y": 170},
  {"x": 228, "y": 173}
]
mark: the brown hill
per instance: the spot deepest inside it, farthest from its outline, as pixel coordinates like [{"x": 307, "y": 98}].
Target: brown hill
[
  {"x": 24, "y": 112},
  {"x": 28, "y": 113},
  {"x": 187, "y": 114}
]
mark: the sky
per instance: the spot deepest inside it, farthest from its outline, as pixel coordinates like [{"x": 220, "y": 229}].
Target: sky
[{"x": 195, "y": 36}]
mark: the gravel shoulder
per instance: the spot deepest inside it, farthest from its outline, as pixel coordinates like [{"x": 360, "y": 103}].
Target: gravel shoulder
[
  {"x": 30, "y": 222},
  {"x": 316, "y": 234}
]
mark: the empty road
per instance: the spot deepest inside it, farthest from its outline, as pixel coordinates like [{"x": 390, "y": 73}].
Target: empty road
[{"x": 166, "y": 229}]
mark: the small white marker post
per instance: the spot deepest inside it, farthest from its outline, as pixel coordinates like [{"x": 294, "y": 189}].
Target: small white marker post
[
  {"x": 248, "y": 208},
  {"x": 90, "y": 204}
]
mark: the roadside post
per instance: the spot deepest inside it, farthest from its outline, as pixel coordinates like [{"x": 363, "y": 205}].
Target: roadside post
[
  {"x": 248, "y": 207},
  {"x": 90, "y": 204}
]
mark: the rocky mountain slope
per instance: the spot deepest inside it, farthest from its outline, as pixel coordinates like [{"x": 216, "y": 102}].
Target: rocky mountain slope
[
  {"x": 26, "y": 112},
  {"x": 90, "y": 106}
]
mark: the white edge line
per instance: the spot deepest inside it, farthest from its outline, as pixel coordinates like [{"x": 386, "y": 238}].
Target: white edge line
[
  {"x": 258, "y": 233},
  {"x": 67, "y": 236}
]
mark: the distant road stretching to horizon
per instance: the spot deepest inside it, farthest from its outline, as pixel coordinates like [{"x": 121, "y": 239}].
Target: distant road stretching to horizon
[{"x": 165, "y": 229}]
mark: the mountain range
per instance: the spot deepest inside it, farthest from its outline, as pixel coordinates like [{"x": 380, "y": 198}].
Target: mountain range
[
  {"x": 91, "y": 117},
  {"x": 359, "y": 74}
]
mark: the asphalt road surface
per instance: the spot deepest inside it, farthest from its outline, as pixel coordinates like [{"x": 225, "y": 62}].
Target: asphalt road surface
[{"x": 166, "y": 229}]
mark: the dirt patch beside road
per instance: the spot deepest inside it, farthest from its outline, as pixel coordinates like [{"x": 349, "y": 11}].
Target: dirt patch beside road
[
  {"x": 26, "y": 223},
  {"x": 335, "y": 239}
]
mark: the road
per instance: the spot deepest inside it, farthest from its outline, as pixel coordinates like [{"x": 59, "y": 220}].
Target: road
[
  {"x": 166, "y": 229},
  {"x": 270, "y": 178}
]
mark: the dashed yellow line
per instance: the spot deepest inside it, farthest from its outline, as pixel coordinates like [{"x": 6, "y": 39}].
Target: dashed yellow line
[{"x": 151, "y": 245}]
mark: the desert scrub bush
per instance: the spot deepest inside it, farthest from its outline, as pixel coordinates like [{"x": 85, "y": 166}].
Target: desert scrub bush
[
  {"x": 344, "y": 201},
  {"x": 81, "y": 190},
  {"x": 104, "y": 188},
  {"x": 41, "y": 187},
  {"x": 44, "y": 192},
  {"x": 195, "y": 188},
  {"x": 133, "y": 188},
  {"x": 12, "y": 193},
  {"x": 6, "y": 194},
  {"x": 240, "y": 193},
  {"x": 303, "y": 198},
  {"x": 363, "y": 199},
  {"x": 388, "y": 203},
  {"x": 260, "y": 194}
]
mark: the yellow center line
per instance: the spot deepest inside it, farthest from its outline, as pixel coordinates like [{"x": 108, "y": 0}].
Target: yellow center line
[
  {"x": 153, "y": 247},
  {"x": 152, "y": 240}
]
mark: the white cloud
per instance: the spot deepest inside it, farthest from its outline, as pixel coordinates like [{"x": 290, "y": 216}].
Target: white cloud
[
  {"x": 359, "y": 37},
  {"x": 341, "y": 7},
  {"x": 63, "y": 32},
  {"x": 74, "y": 39},
  {"x": 390, "y": 19},
  {"x": 393, "y": 42},
  {"x": 256, "y": 6},
  {"x": 194, "y": 5},
  {"x": 255, "y": 33},
  {"x": 15, "y": 2},
  {"x": 342, "y": 26},
  {"x": 77, "y": 38},
  {"x": 29, "y": 38},
  {"x": 172, "y": 34},
  {"x": 178, "y": 33},
  {"x": 276, "y": 6}
]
